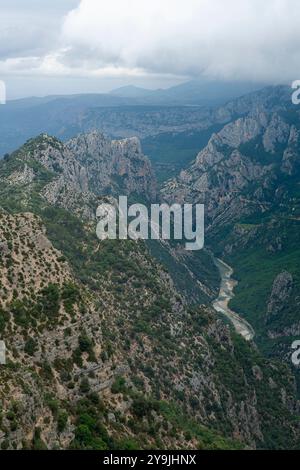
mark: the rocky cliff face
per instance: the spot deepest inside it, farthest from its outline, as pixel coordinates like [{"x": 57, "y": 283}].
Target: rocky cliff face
[
  {"x": 88, "y": 166},
  {"x": 113, "y": 166},
  {"x": 240, "y": 169}
]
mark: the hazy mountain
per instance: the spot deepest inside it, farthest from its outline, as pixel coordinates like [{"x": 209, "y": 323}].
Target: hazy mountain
[
  {"x": 125, "y": 113},
  {"x": 208, "y": 93},
  {"x": 195, "y": 92},
  {"x": 132, "y": 91}
]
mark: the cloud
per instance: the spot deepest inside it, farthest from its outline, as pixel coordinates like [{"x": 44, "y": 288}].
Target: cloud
[
  {"x": 228, "y": 39},
  {"x": 248, "y": 39}
]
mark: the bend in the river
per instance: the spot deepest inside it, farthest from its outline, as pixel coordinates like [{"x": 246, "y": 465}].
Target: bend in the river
[{"x": 225, "y": 295}]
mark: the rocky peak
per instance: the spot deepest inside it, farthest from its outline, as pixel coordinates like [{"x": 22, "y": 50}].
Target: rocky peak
[
  {"x": 72, "y": 175},
  {"x": 93, "y": 145},
  {"x": 114, "y": 166}
]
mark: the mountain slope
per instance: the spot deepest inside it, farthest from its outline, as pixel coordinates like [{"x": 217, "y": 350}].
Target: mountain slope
[
  {"x": 103, "y": 351},
  {"x": 75, "y": 175}
]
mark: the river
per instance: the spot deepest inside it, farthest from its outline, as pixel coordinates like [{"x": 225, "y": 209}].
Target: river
[{"x": 225, "y": 295}]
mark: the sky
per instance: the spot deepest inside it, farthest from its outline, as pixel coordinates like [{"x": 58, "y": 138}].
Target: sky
[{"x": 83, "y": 46}]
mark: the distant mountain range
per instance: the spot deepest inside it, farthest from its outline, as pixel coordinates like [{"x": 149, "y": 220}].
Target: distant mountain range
[
  {"x": 195, "y": 92},
  {"x": 125, "y": 112}
]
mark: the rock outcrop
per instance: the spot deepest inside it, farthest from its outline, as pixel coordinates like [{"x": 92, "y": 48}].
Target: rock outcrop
[
  {"x": 113, "y": 166},
  {"x": 88, "y": 166},
  {"x": 280, "y": 295}
]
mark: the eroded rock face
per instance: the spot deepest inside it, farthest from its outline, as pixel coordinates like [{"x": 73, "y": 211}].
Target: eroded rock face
[
  {"x": 112, "y": 165},
  {"x": 281, "y": 291},
  {"x": 221, "y": 173},
  {"x": 277, "y": 132}
]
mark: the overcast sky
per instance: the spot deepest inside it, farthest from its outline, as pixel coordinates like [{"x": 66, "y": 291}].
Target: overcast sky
[{"x": 73, "y": 46}]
